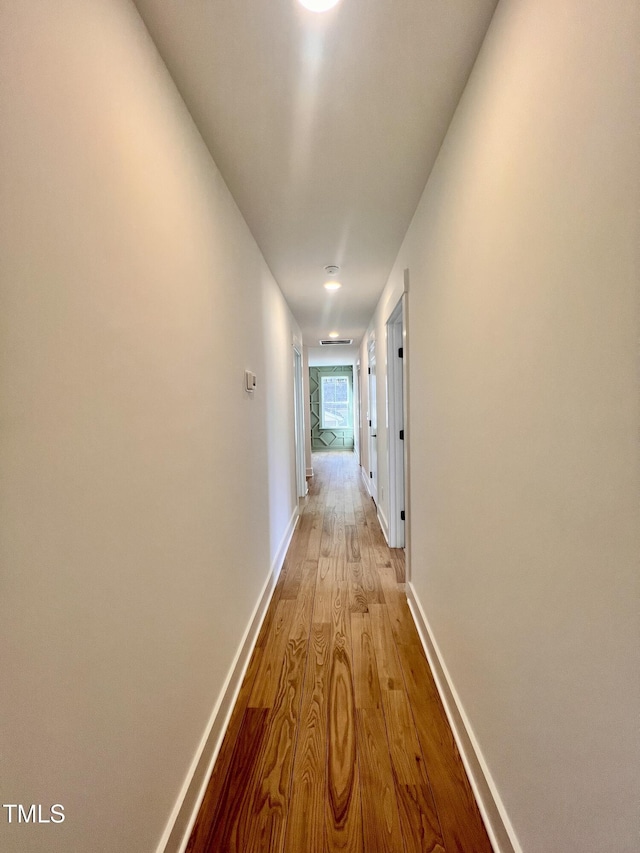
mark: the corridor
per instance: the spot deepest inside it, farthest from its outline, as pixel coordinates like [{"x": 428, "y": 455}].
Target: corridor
[{"x": 338, "y": 740}]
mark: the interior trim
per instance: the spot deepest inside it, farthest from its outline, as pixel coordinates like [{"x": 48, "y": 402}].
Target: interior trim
[
  {"x": 183, "y": 817},
  {"x": 501, "y": 833}
]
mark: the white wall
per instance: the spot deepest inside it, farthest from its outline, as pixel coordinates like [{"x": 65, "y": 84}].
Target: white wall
[
  {"x": 523, "y": 258},
  {"x": 280, "y": 332},
  {"x": 144, "y": 494},
  {"x": 338, "y": 356}
]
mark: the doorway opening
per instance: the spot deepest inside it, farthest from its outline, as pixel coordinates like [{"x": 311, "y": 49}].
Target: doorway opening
[{"x": 332, "y": 407}]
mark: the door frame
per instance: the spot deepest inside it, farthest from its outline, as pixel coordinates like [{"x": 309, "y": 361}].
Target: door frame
[
  {"x": 372, "y": 419},
  {"x": 396, "y": 415},
  {"x": 357, "y": 423},
  {"x": 299, "y": 434}
]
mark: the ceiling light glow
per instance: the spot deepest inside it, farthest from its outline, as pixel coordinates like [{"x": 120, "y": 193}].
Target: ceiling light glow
[
  {"x": 332, "y": 285},
  {"x": 318, "y": 5},
  {"x": 334, "y": 334}
]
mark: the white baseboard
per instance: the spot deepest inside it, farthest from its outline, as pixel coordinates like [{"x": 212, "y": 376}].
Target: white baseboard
[
  {"x": 365, "y": 479},
  {"x": 281, "y": 553},
  {"x": 499, "y": 828},
  {"x": 183, "y": 817},
  {"x": 384, "y": 524}
]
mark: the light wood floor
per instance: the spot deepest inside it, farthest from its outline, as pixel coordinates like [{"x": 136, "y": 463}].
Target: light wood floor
[{"x": 338, "y": 741}]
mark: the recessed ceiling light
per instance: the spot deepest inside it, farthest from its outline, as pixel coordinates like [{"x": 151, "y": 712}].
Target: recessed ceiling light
[
  {"x": 334, "y": 334},
  {"x": 318, "y": 5},
  {"x": 332, "y": 285}
]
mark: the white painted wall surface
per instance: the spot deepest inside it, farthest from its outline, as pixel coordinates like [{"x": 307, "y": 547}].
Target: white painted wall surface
[
  {"x": 136, "y": 474},
  {"x": 280, "y": 333},
  {"x": 523, "y": 257},
  {"x": 328, "y": 355}
]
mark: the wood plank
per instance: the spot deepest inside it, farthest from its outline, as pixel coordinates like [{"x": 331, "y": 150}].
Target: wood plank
[
  {"x": 371, "y": 577},
  {"x": 315, "y": 533},
  {"x": 343, "y": 809},
  {"x": 303, "y": 567},
  {"x": 418, "y": 817},
  {"x": 343, "y": 812},
  {"x": 306, "y": 823},
  {"x": 300, "y": 626},
  {"x": 381, "y": 822},
  {"x": 326, "y": 572},
  {"x": 267, "y": 678},
  {"x": 338, "y": 563},
  {"x": 294, "y": 562},
  {"x": 398, "y": 559},
  {"x": 387, "y": 660},
  {"x": 339, "y": 545},
  {"x": 226, "y": 831},
  {"x": 388, "y": 579},
  {"x": 233, "y": 754},
  {"x": 460, "y": 819},
  {"x": 371, "y": 583},
  {"x": 402, "y": 625},
  {"x": 271, "y": 610},
  {"x": 352, "y": 543},
  {"x": 328, "y": 538},
  {"x": 340, "y": 617},
  {"x": 348, "y": 508},
  {"x": 358, "y": 602},
  {"x": 323, "y": 605},
  {"x": 265, "y": 819},
  {"x": 365, "y": 672}
]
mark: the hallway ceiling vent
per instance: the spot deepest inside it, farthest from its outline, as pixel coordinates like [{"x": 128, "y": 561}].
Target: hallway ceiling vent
[{"x": 332, "y": 342}]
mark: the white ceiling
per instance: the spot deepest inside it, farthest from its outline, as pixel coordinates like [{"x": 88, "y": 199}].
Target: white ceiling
[{"x": 324, "y": 126}]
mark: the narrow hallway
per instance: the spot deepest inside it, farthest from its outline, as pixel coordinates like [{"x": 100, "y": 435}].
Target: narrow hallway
[{"x": 338, "y": 740}]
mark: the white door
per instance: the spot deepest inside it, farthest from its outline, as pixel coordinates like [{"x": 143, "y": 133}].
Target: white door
[
  {"x": 373, "y": 423},
  {"x": 396, "y": 443}
]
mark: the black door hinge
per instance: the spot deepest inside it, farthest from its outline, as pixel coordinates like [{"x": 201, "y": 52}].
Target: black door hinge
[
  {"x": 371, "y": 474},
  {"x": 401, "y": 435},
  {"x": 368, "y": 370},
  {"x": 402, "y": 515},
  {"x": 369, "y": 423},
  {"x": 401, "y": 352}
]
